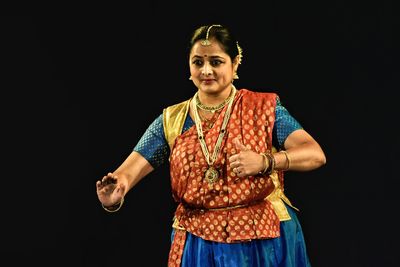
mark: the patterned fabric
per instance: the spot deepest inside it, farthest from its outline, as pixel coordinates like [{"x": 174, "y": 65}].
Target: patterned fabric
[
  {"x": 177, "y": 249},
  {"x": 285, "y": 124},
  {"x": 288, "y": 250},
  {"x": 154, "y": 148},
  {"x": 232, "y": 209}
]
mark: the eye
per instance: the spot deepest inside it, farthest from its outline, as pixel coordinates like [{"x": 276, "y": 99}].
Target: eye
[
  {"x": 197, "y": 62},
  {"x": 215, "y": 62}
]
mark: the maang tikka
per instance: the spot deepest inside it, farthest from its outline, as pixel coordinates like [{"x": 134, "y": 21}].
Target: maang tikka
[{"x": 206, "y": 42}]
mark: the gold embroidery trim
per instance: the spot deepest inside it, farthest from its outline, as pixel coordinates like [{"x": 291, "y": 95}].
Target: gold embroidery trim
[{"x": 173, "y": 121}]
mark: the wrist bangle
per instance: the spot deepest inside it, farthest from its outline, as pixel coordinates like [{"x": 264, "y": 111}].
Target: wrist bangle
[
  {"x": 270, "y": 166},
  {"x": 272, "y": 163},
  {"x": 266, "y": 165},
  {"x": 115, "y": 207},
  {"x": 287, "y": 159}
]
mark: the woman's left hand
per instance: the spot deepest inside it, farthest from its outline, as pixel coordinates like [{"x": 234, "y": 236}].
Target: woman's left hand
[{"x": 245, "y": 162}]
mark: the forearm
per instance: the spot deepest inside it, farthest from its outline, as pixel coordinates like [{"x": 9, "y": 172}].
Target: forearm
[
  {"x": 133, "y": 169},
  {"x": 303, "y": 153},
  {"x": 304, "y": 157}
]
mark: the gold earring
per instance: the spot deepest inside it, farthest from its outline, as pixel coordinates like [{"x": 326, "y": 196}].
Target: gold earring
[
  {"x": 236, "y": 77},
  {"x": 190, "y": 78}
]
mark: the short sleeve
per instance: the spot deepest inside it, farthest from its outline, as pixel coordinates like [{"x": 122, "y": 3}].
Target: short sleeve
[
  {"x": 152, "y": 145},
  {"x": 284, "y": 125}
]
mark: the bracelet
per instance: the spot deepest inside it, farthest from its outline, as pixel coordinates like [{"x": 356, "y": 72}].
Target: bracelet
[
  {"x": 264, "y": 170},
  {"x": 115, "y": 207},
  {"x": 287, "y": 159},
  {"x": 272, "y": 163},
  {"x": 270, "y": 167}
]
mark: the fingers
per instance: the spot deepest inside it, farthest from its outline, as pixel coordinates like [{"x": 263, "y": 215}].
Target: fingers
[
  {"x": 236, "y": 170},
  {"x": 235, "y": 159},
  {"x": 234, "y": 162},
  {"x": 240, "y": 172},
  {"x": 239, "y": 145},
  {"x": 242, "y": 163},
  {"x": 108, "y": 179}
]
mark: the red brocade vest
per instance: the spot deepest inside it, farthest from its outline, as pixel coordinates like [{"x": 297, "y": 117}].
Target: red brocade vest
[{"x": 232, "y": 209}]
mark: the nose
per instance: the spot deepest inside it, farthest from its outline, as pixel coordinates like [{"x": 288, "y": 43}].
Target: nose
[{"x": 207, "y": 69}]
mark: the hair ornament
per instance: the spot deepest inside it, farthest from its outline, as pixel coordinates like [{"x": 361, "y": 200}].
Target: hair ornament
[
  {"x": 206, "y": 42},
  {"x": 240, "y": 52}
]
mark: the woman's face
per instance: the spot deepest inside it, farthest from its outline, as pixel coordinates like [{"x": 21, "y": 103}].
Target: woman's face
[{"x": 211, "y": 68}]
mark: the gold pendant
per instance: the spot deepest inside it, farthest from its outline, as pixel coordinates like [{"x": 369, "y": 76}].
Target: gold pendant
[{"x": 211, "y": 175}]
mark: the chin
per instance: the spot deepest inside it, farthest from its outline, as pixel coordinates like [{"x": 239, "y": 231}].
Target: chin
[{"x": 209, "y": 87}]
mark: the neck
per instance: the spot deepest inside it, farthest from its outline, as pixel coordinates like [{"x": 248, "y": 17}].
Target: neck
[{"x": 214, "y": 99}]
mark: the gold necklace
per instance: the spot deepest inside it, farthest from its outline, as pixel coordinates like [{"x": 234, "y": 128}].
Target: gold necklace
[
  {"x": 211, "y": 175},
  {"x": 209, "y": 122},
  {"x": 213, "y": 108}
]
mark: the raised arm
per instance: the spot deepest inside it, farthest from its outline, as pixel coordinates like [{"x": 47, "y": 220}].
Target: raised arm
[
  {"x": 134, "y": 168},
  {"x": 113, "y": 187}
]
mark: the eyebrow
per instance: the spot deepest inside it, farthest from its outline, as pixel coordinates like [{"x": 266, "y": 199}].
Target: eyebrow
[{"x": 213, "y": 57}]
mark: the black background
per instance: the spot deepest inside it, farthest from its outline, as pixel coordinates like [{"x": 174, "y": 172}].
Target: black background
[{"x": 79, "y": 91}]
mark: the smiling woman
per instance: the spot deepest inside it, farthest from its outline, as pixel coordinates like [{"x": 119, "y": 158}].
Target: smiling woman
[
  {"x": 212, "y": 69},
  {"x": 227, "y": 150}
]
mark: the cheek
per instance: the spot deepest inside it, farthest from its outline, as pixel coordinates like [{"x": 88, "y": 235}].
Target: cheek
[
  {"x": 194, "y": 71},
  {"x": 226, "y": 73}
]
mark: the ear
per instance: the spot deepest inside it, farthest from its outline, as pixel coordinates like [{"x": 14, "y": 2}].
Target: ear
[{"x": 235, "y": 63}]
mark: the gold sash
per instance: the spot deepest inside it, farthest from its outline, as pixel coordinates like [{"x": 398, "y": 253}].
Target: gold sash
[{"x": 173, "y": 120}]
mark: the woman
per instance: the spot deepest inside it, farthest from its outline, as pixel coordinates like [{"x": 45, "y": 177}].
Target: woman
[{"x": 228, "y": 150}]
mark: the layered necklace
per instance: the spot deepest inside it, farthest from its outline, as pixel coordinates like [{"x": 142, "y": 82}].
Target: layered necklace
[
  {"x": 212, "y": 109},
  {"x": 211, "y": 175}
]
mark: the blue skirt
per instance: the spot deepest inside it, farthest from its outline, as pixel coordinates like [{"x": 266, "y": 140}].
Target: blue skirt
[{"x": 288, "y": 250}]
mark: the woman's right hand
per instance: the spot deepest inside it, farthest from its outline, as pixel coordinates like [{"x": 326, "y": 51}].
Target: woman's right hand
[{"x": 111, "y": 189}]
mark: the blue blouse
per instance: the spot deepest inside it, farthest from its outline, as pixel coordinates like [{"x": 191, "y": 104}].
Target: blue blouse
[{"x": 154, "y": 147}]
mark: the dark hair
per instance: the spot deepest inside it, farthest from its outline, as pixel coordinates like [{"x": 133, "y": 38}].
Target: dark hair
[{"x": 222, "y": 34}]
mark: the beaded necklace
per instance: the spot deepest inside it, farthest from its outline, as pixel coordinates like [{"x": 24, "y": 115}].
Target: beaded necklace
[{"x": 211, "y": 175}]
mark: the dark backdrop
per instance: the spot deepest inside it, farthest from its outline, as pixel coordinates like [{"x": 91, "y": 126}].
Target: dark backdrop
[{"x": 79, "y": 91}]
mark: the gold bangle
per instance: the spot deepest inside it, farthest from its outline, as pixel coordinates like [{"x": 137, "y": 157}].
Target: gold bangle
[
  {"x": 265, "y": 167},
  {"x": 287, "y": 159},
  {"x": 270, "y": 166},
  {"x": 115, "y": 207}
]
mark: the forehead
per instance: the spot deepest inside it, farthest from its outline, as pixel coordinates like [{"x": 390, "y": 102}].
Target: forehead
[{"x": 214, "y": 49}]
